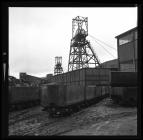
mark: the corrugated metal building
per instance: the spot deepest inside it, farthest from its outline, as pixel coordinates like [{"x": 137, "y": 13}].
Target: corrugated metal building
[
  {"x": 110, "y": 64},
  {"x": 127, "y": 50}
]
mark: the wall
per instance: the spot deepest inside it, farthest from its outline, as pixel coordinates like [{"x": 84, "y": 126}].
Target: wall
[
  {"x": 127, "y": 52},
  {"x": 23, "y": 94},
  {"x": 85, "y": 76},
  {"x": 110, "y": 64}
]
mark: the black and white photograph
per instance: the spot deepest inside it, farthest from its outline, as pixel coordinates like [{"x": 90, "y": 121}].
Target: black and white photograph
[{"x": 72, "y": 71}]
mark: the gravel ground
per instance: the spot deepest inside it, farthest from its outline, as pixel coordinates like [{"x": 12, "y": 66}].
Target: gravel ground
[{"x": 104, "y": 118}]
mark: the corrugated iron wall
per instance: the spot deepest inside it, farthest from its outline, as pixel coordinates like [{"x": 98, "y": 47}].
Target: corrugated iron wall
[
  {"x": 123, "y": 79},
  {"x": 127, "y": 53},
  {"x": 23, "y": 94},
  {"x": 85, "y": 76}
]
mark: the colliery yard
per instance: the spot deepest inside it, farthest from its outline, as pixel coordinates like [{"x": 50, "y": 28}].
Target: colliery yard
[
  {"x": 97, "y": 100},
  {"x": 104, "y": 118}
]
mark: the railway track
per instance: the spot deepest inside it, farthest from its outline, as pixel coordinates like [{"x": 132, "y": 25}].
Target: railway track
[
  {"x": 44, "y": 123},
  {"x": 22, "y": 115},
  {"x": 37, "y": 123}
]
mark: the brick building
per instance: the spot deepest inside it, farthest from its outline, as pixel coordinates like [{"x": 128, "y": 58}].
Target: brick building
[{"x": 32, "y": 80}]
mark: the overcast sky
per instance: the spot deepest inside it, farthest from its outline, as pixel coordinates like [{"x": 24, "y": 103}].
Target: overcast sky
[{"x": 38, "y": 35}]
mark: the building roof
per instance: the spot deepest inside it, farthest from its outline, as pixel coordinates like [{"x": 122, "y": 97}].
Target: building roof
[
  {"x": 110, "y": 64},
  {"x": 110, "y": 61},
  {"x": 126, "y": 32}
]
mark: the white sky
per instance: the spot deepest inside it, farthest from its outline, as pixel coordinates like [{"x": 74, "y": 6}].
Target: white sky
[{"x": 38, "y": 35}]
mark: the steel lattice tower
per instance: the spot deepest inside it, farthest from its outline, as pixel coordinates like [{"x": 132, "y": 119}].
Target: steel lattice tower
[
  {"x": 58, "y": 65},
  {"x": 81, "y": 53}
]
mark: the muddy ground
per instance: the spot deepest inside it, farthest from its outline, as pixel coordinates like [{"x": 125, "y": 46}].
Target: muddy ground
[{"x": 104, "y": 118}]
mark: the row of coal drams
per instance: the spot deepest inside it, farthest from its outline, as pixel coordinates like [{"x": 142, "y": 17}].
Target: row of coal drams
[{"x": 71, "y": 91}]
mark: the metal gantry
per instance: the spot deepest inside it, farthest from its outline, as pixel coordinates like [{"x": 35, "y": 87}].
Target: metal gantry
[
  {"x": 81, "y": 53},
  {"x": 58, "y": 65}
]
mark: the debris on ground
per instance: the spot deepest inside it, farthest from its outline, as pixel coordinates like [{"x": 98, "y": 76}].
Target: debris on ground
[{"x": 103, "y": 118}]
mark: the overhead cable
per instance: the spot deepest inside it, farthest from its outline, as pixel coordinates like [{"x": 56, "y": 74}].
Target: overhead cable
[
  {"x": 102, "y": 42},
  {"x": 104, "y": 49}
]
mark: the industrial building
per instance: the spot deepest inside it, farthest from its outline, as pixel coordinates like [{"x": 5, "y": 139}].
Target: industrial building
[
  {"x": 110, "y": 64},
  {"x": 33, "y": 80},
  {"x": 30, "y": 79},
  {"x": 127, "y": 50},
  {"x": 13, "y": 81}
]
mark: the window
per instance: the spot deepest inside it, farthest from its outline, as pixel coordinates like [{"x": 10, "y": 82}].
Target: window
[{"x": 126, "y": 39}]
